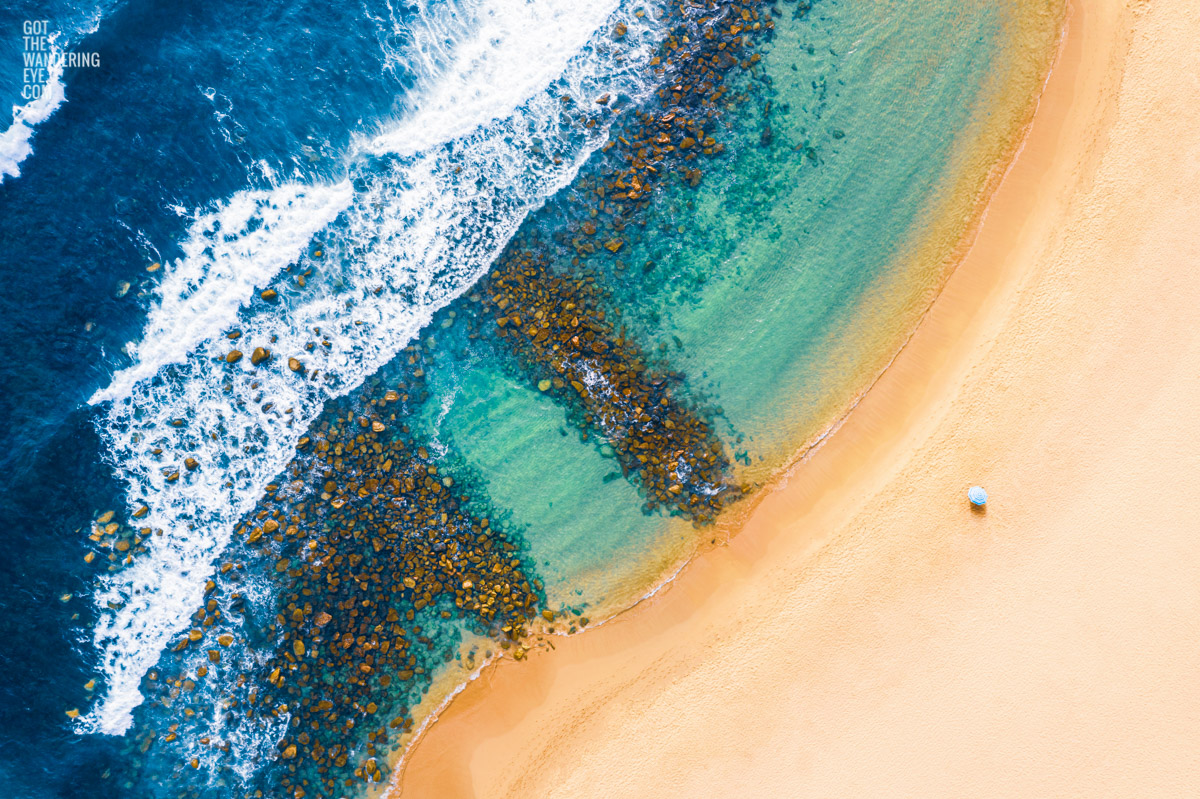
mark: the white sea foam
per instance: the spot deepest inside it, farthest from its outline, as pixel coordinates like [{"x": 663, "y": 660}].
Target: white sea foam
[
  {"x": 16, "y": 143},
  {"x": 228, "y": 252},
  {"x": 410, "y": 230},
  {"x": 483, "y": 58}
]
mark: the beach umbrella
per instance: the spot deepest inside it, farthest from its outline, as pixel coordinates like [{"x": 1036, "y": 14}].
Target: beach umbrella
[{"x": 977, "y": 496}]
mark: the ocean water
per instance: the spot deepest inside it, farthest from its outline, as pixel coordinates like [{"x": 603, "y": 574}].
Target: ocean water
[
  {"x": 783, "y": 282},
  {"x": 398, "y": 178}
]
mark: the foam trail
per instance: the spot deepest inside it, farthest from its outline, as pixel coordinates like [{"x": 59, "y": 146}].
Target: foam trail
[
  {"x": 228, "y": 252},
  {"x": 414, "y": 229},
  {"x": 16, "y": 143},
  {"x": 481, "y": 76}
]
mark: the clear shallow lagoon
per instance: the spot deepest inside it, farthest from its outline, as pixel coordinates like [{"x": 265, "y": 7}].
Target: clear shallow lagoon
[
  {"x": 788, "y": 278},
  {"x": 778, "y": 285}
]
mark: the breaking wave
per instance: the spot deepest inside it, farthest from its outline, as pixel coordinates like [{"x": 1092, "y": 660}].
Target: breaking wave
[{"x": 358, "y": 267}]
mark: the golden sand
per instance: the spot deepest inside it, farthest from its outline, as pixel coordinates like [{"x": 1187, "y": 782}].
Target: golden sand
[{"x": 869, "y": 635}]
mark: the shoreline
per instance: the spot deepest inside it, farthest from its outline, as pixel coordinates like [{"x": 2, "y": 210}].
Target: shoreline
[
  {"x": 946, "y": 221},
  {"x": 733, "y": 522},
  {"x": 806, "y": 549},
  {"x": 459, "y": 706},
  {"x": 438, "y": 700}
]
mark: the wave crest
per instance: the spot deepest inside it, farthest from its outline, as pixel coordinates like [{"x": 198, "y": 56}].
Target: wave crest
[{"x": 423, "y": 213}]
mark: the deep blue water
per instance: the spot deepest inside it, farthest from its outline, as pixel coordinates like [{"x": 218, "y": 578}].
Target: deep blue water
[
  {"x": 193, "y": 106},
  {"x": 369, "y": 163},
  {"x": 189, "y": 102}
]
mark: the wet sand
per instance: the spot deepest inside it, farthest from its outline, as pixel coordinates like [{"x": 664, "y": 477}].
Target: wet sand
[{"x": 866, "y": 633}]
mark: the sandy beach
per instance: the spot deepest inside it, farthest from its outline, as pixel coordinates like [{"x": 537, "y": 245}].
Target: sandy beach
[{"x": 867, "y": 633}]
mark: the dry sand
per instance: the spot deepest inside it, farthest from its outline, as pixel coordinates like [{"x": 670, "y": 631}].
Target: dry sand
[{"x": 869, "y": 635}]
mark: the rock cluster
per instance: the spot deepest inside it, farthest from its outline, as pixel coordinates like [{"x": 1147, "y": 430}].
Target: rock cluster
[
  {"x": 387, "y": 536},
  {"x": 373, "y": 546},
  {"x": 568, "y": 344},
  {"x": 375, "y": 549},
  {"x": 559, "y": 322}
]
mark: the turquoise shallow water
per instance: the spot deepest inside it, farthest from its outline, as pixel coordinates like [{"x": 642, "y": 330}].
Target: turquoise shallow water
[
  {"x": 766, "y": 285},
  {"x": 583, "y": 524},
  {"x": 279, "y": 567},
  {"x": 855, "y": 132}
]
